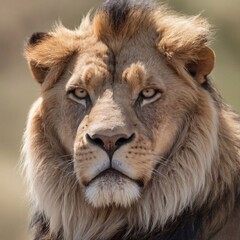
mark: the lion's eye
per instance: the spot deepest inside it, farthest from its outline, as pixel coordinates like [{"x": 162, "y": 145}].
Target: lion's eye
[
  {"x": 149, "y": 95},
  {"x": 79, "y": 95}
]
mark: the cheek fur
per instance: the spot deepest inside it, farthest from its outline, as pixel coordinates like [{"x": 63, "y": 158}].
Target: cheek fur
[{"x": 150, "y": 117}]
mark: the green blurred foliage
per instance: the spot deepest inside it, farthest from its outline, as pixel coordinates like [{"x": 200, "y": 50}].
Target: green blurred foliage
[{"x": 19, "y": 19}]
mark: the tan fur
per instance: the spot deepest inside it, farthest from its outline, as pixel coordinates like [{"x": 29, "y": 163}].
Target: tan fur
[{"x": 186, "y": 146}]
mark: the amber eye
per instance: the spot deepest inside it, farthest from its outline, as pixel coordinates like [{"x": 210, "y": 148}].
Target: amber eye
[
  {"x": 149, "y": 92},
  {"x": 149, "y": 95},
  {"x": 80, "y": 93}
]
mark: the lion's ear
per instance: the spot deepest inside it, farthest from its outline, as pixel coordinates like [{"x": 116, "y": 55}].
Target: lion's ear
[
  {"x": 184, "y": 42},
  {"x": 44, "y": 51},
  {"x": 34, "y": 52},
  {"x": 203, "y": 66}
]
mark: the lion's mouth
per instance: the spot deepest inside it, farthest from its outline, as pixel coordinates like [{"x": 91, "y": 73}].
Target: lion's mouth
[{"x": 111, "y": 174}]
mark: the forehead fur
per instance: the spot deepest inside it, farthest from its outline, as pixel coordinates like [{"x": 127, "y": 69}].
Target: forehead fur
[{"x": 177, "y": 37}]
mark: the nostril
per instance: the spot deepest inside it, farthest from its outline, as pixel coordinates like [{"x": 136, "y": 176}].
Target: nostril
[
  {"x": 97, "y": 141},
  {"x": 121, "y": 141},
  {"x": 109, "y": 143}
]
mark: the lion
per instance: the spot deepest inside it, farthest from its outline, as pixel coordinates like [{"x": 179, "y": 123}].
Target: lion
[{"x": 129, "y": 138}]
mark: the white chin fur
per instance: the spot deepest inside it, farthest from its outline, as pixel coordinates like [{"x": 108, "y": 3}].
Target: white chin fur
[{"x": 102, "y": 193}]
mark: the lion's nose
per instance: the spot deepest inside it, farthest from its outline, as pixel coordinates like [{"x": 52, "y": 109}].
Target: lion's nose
[{"x": 110, "y": 143}]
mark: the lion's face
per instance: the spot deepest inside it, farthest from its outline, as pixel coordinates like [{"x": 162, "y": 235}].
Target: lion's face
[
  {"x": 118, "y": 116},
  {"x": 126, "y": 129}
]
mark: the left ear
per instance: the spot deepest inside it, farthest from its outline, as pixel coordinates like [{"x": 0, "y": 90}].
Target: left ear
[
  {"x": 202, "y": 66},
  {"x": 46, "y": 51}
]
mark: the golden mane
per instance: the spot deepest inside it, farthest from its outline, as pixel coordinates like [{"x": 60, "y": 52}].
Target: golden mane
[{"x": 195, "y": 185}]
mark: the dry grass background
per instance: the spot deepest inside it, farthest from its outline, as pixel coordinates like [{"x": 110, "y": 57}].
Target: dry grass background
[{"x": 18, "y": 19}]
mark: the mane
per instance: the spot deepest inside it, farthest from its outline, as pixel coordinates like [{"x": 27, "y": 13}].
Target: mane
[{"x": 197, "y": 186}]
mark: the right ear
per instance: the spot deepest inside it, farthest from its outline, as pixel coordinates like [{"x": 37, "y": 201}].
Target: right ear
[
  {"x": 39, "y": 71},
  {"x": 46, "y": 50}
]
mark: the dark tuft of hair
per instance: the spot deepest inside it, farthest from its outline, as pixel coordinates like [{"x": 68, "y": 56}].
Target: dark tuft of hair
[
  {"x": 118, "y": 10},
  {"x": 37, "y": 38}
]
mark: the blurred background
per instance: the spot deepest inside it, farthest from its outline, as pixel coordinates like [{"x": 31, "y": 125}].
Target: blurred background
[{"x": 18, "y": 20}]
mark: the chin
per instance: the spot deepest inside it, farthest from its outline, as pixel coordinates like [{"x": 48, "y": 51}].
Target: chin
[{"x": 112, "y": 189}]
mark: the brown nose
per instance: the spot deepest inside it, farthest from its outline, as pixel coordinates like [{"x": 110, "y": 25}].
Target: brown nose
[{"x": 110, "y": 143}]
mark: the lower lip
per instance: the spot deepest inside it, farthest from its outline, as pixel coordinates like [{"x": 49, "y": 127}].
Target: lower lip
[{"x": 114, "y": 172}]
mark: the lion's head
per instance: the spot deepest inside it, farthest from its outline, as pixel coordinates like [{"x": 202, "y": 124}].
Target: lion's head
[{"x": 126, "y": 130}]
